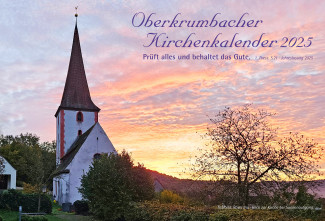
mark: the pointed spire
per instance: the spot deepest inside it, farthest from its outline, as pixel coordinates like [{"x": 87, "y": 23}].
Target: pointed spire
[{"x": 76, "y": 95}]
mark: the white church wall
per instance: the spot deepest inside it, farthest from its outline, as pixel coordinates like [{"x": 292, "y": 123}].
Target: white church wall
[
  {"x": 61, "y": 188},
  {"x": 83, "y": 159},
  {"x": 9, "y": 170},
  {"x": 71, "y": 126}
]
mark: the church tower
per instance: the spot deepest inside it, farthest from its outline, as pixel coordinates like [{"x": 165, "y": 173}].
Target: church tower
[
  {"x": 80, "y": 137},
  {"x": 77, "y": 112}
]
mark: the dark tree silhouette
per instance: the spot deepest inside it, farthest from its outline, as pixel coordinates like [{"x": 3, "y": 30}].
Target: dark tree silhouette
[
  {"x": 244, "y": 148},
  {"x": 113, "y": 183}
]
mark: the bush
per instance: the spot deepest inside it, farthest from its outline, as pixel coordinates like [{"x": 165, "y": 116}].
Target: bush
[
  {"x": 248, "y": 215},
  {"x": 12, "y": 199},
  {"x": 168, "y": 196},
  {"x": 1, "y": 219},
  {"x": 155, "y": 211},
  {"x": 189, "y": 216},
  {"x": 29, "y": 188},
  {"x": 301, "y": 199},
  {"x": 113, "y": 183},
  {"x": 81, "y": 207},
  {"x": 138, "y": 213},
  {"x": 33, "y": 218},
  {"x": 218, "y": 217}
]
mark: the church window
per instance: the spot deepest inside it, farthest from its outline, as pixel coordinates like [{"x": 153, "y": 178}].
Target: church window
[
  {"x": 97, "y": 156},
  {"x": 80, "y": 117},
  {"x": 79, "y": 132}
]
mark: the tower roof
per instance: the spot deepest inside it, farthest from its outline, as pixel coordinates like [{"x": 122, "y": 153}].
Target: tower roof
[{"x": 76, "y": 95}]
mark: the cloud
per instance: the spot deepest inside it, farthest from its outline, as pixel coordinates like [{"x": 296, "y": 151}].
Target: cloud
[{"x": 155, "y": 108}]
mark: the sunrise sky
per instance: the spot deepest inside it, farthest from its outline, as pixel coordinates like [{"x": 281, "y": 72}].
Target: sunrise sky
[{"x": 158, "y": 109}]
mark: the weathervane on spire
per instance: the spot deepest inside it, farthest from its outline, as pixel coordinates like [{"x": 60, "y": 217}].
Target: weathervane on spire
[{"x": 76, "y": 15}]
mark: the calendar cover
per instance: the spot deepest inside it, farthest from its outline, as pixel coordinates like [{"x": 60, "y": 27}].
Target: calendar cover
[{"x": 160, "y": 70}]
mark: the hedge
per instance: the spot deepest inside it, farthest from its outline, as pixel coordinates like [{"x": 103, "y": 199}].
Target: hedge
[
  {"x": 33, "y": 218},
  {"x": 81, "y": 207},
  {"x": 12, "y": 199},
  {"x": 155, "y": 211}
]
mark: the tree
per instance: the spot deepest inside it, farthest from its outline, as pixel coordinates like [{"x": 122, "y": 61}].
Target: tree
[
  {"x": 112, "y": 183},
  {"x": 48, "y": 161},
  {"x": 244, "y": 148},
  {"x": 34, "y": 161},
  {"x": 142, "y": 183},
  {"x": 27, "y": 155}
]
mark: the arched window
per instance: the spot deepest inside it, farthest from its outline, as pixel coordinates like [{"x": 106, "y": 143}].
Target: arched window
[
  {"x": 80, "y": 117},
  {"x": 79, "y": 132},
  {"x": 97, "y": 156}
]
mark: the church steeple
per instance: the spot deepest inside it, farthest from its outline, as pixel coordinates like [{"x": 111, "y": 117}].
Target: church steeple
[
  {"x": 77, "y": 112},
  {"x": 79, "y": 136},
  {"x": 76, "y": 95}
]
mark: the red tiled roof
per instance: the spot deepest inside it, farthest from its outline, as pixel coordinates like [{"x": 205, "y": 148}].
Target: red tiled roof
[{"x": 76, "y": 95}]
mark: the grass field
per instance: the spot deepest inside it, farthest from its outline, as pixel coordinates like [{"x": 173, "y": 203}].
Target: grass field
[
  {"x": 56, "y": 215},
  {"x": 8, "y": 215}
]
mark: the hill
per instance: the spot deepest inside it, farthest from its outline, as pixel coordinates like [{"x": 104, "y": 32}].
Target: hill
[{"x": 189, "y": 187}]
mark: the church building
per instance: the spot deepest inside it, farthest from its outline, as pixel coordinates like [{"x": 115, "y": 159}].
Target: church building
[{"x": 79, "y": 135}]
